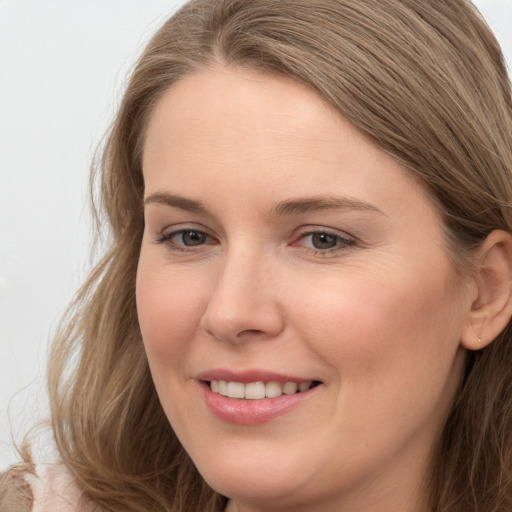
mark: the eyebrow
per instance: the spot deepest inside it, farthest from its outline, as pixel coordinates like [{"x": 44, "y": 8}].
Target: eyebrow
[
  {"x": 320, "y": 203},
  {"x": 176, "y": 201},
  {"x": 288, "y": 207}
]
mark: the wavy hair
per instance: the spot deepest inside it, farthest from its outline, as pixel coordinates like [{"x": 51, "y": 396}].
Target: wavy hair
[{"x": 426, "y": 82}]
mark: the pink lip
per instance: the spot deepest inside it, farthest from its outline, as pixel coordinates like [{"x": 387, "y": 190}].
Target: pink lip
[
  {"x": 250, "y": 412},
  {"x": 248, "y": 376}
]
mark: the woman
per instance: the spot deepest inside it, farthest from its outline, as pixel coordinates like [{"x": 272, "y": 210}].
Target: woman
[{"x": 306, "y": 301}]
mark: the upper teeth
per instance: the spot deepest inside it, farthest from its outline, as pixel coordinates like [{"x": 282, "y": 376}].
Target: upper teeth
[{"x": 257, "y": 390}]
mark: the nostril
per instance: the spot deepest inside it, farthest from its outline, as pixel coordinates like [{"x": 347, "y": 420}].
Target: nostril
[
  {"x": 242, "y": 319},
  {"x": 249, "y": 332}
]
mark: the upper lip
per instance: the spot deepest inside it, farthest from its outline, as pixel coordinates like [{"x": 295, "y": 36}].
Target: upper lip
[{"x": 247, "y": 376}]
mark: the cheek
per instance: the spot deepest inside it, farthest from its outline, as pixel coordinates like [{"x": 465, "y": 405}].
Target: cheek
[
  {"x": 169, "y": 309},
  {"x": 393, "y": 354},
  {"x": 370, "y": 326}
]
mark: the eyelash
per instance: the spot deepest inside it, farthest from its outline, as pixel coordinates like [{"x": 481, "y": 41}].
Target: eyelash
[
  {"x": 342, "y": 242},
  {"x": 166, "y": 238}
]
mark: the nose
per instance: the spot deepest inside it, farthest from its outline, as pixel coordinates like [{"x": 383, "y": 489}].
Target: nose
[{"x": 243, "y": 304}]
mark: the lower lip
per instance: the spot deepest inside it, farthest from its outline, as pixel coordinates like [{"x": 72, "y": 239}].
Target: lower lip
[{"x": 252, "y": 412}]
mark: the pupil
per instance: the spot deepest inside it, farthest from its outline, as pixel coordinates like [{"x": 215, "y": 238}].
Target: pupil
[
  {"x": 323, "y": 241},
  {"x": 193, "y": 238}
]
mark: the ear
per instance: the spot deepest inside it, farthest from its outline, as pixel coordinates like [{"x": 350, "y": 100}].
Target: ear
[{"x": 492, "y": 308}]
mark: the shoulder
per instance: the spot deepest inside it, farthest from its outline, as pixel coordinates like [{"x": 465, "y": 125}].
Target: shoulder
[
  {"x": 54, "y": 490},
  {"x": 15, "y": 491},
  {"x": 41, "y": 488}
]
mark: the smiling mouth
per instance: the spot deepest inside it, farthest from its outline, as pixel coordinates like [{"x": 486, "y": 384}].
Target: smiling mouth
[{"x": 259, "y": 390}]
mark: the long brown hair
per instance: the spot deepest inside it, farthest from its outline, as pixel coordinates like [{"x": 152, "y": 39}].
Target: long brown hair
[{"x": 426, "y": 82}]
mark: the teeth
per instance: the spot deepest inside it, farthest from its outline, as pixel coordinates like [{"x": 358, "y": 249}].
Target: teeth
[
  {"x": 223, "y": 387},
  {"x": 273, "y": 389},
  {"x": 236, "y": 390},
  {"x": 258, "y": 390},
  {"x": 304, "y": 386},
  {"x": 291, "y": 388},
  {"x": 254, "y": 390}
]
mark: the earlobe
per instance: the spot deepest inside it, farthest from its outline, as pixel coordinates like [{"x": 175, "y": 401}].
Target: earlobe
[{"x": 492, "y": 309}]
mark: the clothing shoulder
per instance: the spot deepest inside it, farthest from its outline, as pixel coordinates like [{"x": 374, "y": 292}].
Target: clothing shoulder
[
  {"x": 41, "y": 488},
  {"x": 54, "y": 490},
  {"x": 15, "y": 492}
]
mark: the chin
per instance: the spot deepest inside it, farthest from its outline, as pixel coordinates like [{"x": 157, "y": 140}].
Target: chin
[
  {"x": 256, "y": 480},
  {"x": 277, "y": 494}
]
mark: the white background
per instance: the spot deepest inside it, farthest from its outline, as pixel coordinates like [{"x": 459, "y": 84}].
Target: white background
[{"x": 62, "y": 70}]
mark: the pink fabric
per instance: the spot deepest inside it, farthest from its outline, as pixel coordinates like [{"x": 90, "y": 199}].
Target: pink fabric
[{"x": 54, "y": 490}]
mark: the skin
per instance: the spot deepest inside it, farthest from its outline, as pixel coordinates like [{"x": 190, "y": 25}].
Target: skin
[{"x": 378, "y": 318}]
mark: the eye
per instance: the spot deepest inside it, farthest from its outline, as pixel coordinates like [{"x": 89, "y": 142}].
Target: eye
[
  {"x": 323, "y": 241},
  {"x": 190, "y": 238},
  {"x": 184, "y": 238}
]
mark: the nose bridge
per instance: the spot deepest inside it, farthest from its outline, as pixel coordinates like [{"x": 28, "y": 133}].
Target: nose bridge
[{"x": 243, "y": 301}]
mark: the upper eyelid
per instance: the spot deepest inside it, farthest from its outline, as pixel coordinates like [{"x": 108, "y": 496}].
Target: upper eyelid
[
  {"x": 184, "y": 230},
  {"x": 299, "y": 232},
  {"x": 175, "y": 232},
  {"x": 344, "y": 240},
  {"x": 311, "y": 230},
  {"x": 176, "y": 228},
  {"x": 166, "y": 239}
]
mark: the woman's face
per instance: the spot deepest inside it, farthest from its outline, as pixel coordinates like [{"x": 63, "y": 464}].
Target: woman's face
[{"x": 283, "y": 252}]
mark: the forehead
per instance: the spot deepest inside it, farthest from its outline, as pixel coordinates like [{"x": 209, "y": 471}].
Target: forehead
[
  {"x": 236, "y": 103},
  {"x": 226, "y": 133}
]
